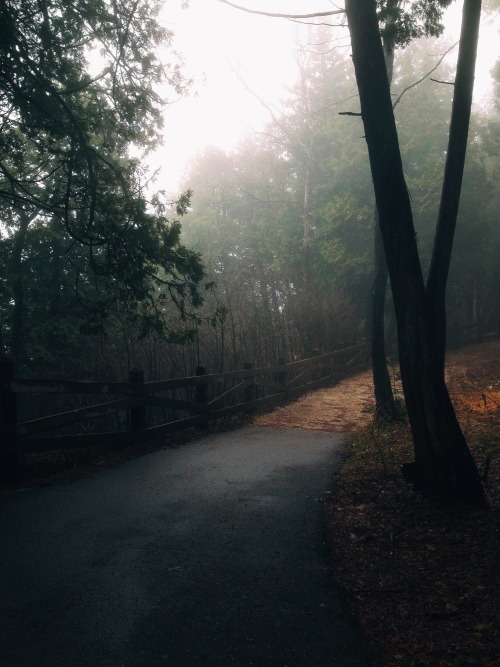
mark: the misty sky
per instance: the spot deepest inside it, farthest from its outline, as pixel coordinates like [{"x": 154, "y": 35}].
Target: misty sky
[{"x": 216, "y": 40}]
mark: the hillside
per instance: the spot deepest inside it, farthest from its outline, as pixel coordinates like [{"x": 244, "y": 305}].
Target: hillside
[{"x": 421, "y": 575}]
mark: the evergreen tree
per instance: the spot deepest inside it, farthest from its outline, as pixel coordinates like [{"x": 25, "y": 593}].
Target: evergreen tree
[{"x": 78, "y": 88}]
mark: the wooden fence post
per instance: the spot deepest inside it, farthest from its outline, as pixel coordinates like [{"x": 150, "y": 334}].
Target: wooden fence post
[
  {"x": 315, "y": 370},
  {"x": 202, "y": 393},
  {"x": 9, "y": 456},
  {"x": 281, "y": 375},
  {"x": 249, "y": 392},
  {"x": 138, "y": 412}
]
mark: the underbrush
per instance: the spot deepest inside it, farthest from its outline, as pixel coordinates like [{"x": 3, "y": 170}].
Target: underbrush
[{"x": 422, "y": 573}]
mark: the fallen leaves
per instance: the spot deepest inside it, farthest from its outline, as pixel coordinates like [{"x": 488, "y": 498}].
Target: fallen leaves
[{"x": 423, "y": 574}]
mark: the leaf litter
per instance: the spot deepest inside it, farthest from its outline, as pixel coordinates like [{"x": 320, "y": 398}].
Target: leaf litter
[{"x": 421, "y": 573}]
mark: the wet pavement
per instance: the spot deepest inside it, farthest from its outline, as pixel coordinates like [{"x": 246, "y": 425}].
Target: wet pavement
[{"x": 211, "y": 554}]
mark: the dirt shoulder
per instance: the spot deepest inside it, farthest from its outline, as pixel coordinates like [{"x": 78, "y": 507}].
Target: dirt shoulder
[
  {"x": 472, "y": 372},
  {"x": 422, "y": 575},
  {"x": 344, "y": 408}
]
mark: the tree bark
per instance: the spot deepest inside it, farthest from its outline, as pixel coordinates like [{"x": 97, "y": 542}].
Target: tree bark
[
  {"x": 308, "y": 301},
  {"x": 442, "y": 459},
  {"x": 385, "y": 405},
  {"x": 453, "y": 174},
  {"x": 17, "y": 341}
]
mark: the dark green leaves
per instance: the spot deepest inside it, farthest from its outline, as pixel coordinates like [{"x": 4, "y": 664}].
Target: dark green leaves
[
  {"x": 78, "y": 88},
  {"x": 404, "y": 20}
]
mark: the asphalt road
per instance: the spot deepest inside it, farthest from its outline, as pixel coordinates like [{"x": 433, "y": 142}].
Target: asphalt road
[{"x": 211, "y": 554}]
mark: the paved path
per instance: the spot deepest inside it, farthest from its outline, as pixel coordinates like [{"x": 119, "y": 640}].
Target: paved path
[{"x": 211, "y": 554}]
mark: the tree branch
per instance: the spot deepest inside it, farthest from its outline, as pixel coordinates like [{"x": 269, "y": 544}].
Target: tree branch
[
  {"x": 398, "y": 100},
  {"x": 447, "y": 83},
  {"x": 282, "y": 16}
]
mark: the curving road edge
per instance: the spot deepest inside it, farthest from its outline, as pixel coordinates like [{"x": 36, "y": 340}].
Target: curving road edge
[{"x": 211, "y": 554}]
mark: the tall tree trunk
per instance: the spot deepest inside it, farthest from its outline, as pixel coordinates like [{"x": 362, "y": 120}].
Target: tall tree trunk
[
  {"x": 17, "y": 341},
  {"x": 453, "y": 174},
  {"x": 442, "y": 459},
  {"x": 308, "y": 301},
  {"x": 3, "y": 349},
  {"x": 385, "y": 405}
]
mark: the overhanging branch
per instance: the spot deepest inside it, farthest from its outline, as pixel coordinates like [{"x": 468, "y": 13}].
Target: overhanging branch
[
  {"x": 398, "y": 100},
  {"x": 278, "y": 15}
]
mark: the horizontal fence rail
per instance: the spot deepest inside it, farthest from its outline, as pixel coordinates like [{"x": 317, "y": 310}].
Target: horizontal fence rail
[{"x": 97, "y": 413}]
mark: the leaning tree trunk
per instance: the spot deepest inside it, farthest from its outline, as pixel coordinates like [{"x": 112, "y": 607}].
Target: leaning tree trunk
[
  {"x": 385, "y": 405},
  {"x": 308, "y": 304},
  {"x": 453, "y": 173},
  {"x": 442, "y": 459},
  {"x": 18, "y": 280}
]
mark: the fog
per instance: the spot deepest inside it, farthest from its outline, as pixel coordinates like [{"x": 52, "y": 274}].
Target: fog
[{"x": 221, "y": 46}]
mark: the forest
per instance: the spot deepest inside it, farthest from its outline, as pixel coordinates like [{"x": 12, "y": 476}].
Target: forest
[
  {"x": 340, "y": 262},
  {"x": 284, "y": 226},
  {"x": 269, "y": 252}
]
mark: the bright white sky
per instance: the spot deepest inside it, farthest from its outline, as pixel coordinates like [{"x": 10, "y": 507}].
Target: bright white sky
[{"x": 214, "y": 39}]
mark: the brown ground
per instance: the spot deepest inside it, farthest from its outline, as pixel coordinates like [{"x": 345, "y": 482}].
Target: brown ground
[
  {"x": 422, "y": 574},
  {"x": 344, "y": 408}
]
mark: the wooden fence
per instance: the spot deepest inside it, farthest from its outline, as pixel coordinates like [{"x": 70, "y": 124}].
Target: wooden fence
[{"x": 136, "y": 410}]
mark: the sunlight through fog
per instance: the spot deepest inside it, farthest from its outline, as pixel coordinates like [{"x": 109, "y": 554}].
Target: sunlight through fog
[{"x": 223, "y": 47}]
